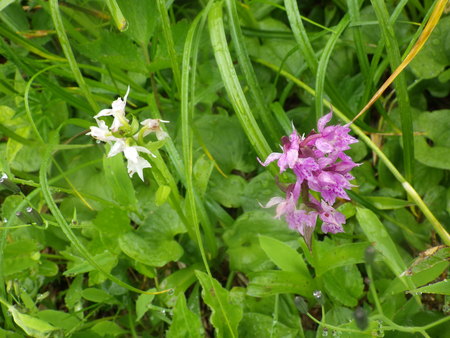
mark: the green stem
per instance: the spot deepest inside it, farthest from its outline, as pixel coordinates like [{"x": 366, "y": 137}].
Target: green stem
[{"x": 410, "y": 191}]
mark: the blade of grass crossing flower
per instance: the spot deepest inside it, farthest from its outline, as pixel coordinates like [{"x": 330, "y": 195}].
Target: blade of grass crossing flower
[
  {"x": 116, "y": 13},
  {"x": 64, "y": 41},
  {"x": 412, "y": 193},
  {"x": 231, "y": 82},
  {"x": 69, "y": 233},
  {"x": 167, "y": 31},
  {"x": 323, "y": 64},
  {"x": 249, "y": 73},
  {"x": 393, "y": 53}
]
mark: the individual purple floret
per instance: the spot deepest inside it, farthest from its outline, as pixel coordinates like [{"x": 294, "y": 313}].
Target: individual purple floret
[{"x": 319, "y": 164}]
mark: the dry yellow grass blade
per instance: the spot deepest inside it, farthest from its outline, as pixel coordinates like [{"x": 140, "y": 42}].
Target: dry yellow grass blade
[{"x": 431, "y": 24}]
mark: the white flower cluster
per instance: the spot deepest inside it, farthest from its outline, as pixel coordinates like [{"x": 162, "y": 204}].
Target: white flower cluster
[{"x": 126, "y": 144}]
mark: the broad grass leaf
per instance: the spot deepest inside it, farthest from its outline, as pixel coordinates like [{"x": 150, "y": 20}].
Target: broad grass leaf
[
  {"x": 256, "y": 325},
  {"x": 284, "y": 256},
  {"x": 225, "y": 316},
  {"x": 344, "y": 284},
  {"x": 328, "y": 257},
  {"x": 272, "y": 282},
  {"x": 242, "y": 240},
  {"x": 185, "y": 323},
  {"x": 32, "y": 326},
  {"x": 377, "y": 234}
]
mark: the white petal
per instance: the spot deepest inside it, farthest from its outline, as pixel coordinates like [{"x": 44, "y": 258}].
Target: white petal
[
  {"x": 104, "y": 112},
  {"x": 131, "y": 154},
  {"x": 118, "y": 147},
  {"x": 138, "y": 167}
]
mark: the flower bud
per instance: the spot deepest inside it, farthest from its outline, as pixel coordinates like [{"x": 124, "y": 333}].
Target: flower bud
[
  {"x": 361, "y": 318},
  {"x": 34, "y": 216},
  {"x": 301, "y": 304},
  {"x": 6, "y": 183},
  {"x": 23, "y": 217}
]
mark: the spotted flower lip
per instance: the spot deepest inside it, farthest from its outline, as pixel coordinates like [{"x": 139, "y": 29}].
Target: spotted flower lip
[
  {"x": 319, "y": 164},
  {"x": 154, "y": 126}
]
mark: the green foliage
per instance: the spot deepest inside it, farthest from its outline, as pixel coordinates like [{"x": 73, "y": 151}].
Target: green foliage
[{"x": 232, "y": 77}]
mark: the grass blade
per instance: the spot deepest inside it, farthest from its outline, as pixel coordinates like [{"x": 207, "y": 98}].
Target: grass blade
[
  {"x": 231, "y": 81},
  {"x": 116, "y": 13},
  {"x": 64, "y": 41}
]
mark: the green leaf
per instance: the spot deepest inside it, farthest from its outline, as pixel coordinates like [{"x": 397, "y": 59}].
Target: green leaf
[
  {"x": 226, "y": 141},
  {"x": 142, "y": 304},
  {"x": 388, "y": 203},
  {"x": 435, "y": 125},
  {"x": 228, "y": 191},
  {"x": 254, "y": 325},
  {"x": 32, "y": 326},
  {"x": 108, "y": 328},
  {"x": 185, "y": 323},
  {"x": 98, "y": 296},
  {"x": 285, "y": 257},
  {"x": 225, "y": 315},
  {"x": 377, "y": 234},
  {"x": 106, "y": 259},
  {"x": 63, "y": 320},
  {"x": 242, "y": 240},
  {"x": 259, "y": 191},
  {"x": 434, "y": 56},
  {"x": 440, "y": 288},
  {"x": 327, "y": 257},
  {"x": 112, "y": 223},
  {"x": 267, "y": 283},
  {"x": 48, "y": 268},
  {"x": 120, "y": 182},
  {"x": 19, "y": 256},
  {"x": 141, "y": 18},
  {"x": 344, "y": 284}
]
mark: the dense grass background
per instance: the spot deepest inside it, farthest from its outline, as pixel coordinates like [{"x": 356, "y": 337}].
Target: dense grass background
[{"x": 231, "y": 77}]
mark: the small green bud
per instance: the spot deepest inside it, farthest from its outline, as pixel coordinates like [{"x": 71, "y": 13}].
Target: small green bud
[
  {"x": 23, "y": 217},
  {"x": 318, "y": 295},
  {"x": 6, "y": 183},
  {"x": 361, "y": 320},
  {"x": 301, "y": 304},
  {"x": 34, "y": 216}
]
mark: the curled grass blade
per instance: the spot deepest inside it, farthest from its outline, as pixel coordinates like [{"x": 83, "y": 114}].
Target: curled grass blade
[{"x": 411, "y": 192}]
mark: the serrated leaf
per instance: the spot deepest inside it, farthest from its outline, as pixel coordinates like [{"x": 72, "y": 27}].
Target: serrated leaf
[
  {"x": 185, "y": 323},
  {"x": 225, "y": 316}
]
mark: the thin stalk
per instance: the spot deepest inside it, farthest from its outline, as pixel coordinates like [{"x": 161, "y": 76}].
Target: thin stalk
[
  {"x": 116, "y": 13},
  {"x": 410, "y": 191}
]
